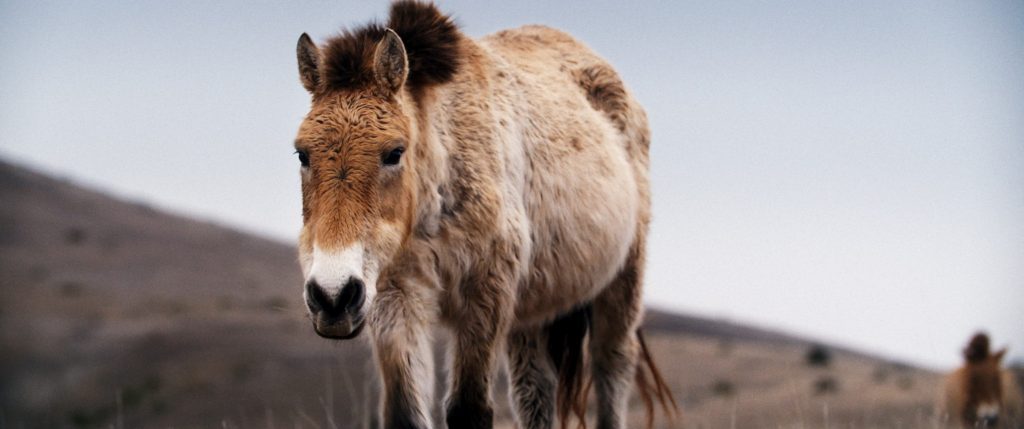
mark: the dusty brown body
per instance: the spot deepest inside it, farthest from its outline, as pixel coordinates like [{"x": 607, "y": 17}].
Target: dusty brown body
[
  {"x": 519, "y": 195},
  {"x": 981, "y": 393}
]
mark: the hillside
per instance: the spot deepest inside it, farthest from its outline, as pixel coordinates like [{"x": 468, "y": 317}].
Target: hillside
[{"x": 114, "y": 314}]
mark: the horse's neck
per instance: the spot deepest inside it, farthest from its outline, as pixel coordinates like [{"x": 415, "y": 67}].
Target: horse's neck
[
  {"x": 431, "y": 168},
  {"x": 434, "y": 122}
]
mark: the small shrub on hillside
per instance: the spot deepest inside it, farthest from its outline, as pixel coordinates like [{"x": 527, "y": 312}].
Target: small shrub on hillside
[
  {"x": 818, "y": 355},
  {"x": 91, "y": 418},
  {"x": 723, "y": 388},
  {"x": 74, "y": 235},
  {"x": 826, "y": 384}
]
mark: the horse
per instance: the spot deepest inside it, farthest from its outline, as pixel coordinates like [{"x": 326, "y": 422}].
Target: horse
[
  {"x": 497, "y": 187},
  {"x": 981, "y": 393}
]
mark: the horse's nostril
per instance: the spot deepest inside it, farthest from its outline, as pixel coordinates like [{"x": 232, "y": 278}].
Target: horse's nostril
[
  {"x": 318, "y": 298},
  {"x": 353, "y": 294},
  {"x": 350, "y": 299}
]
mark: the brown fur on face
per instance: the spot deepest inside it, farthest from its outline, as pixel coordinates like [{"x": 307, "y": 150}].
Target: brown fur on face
[
  {"x": 360, "y": 85},
  {"x": 345, "y": 188}
]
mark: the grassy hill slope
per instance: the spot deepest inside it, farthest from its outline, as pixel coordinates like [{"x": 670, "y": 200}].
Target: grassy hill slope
[{"x": 113, "y": 314}]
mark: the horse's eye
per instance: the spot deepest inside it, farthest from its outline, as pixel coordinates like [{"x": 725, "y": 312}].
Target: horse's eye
[
  {"x": 392, "y": 158},
  {"x": 303, "y": 157}
]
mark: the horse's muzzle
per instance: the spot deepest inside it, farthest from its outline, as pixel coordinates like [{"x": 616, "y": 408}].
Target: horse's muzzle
[
  {"x": 988, "y": 421},
  {"x": 337, "y": 316},
  {"x": 343, "y": 330}
]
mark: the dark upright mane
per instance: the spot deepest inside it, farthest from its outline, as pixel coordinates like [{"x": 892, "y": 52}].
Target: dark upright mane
[
  {"x": 431, "y": 42},
  {"x": 978, "y": 349}
]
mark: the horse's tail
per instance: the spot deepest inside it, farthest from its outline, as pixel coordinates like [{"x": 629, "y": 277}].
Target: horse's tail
[
  {"x": 565, "y": 345},
  {"x": 651, "y": 385},
  {"x": 608, "y": 94}
]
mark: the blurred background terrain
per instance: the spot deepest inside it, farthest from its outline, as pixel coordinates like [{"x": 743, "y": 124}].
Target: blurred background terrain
[
  {"x": 838, "y": 205},
  {"x": 850, "y": 171},
  {"x": 118, "y": 315}
]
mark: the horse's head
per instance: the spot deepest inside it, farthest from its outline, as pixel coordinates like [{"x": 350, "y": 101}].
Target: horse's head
[
  {"x": 356, "y": 191},
  {"x": 983, "y": 383},
  {"x": 355, "y": 147}
]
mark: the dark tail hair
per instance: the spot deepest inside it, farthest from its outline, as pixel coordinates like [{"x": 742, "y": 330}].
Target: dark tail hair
[
  {"x": 654, "y": 387},
  {"x": 566, "y": 337},
  {"x": 565, "y": 345}
]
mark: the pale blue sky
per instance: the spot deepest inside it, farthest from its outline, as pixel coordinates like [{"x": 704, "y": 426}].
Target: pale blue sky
[{"x": 852, "y": 172}]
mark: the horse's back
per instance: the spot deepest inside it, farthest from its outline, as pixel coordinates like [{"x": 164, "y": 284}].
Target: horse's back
[
  {"x": 565, "y": 63},
  {"x": 584, "y": 185}
]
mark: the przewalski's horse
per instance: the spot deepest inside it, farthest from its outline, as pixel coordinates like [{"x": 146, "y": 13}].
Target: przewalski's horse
[
  {"x": 981, "y": 393},
  {"x": 499, "y": 186}
]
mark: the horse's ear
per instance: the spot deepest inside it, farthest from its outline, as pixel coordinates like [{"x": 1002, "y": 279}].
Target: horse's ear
[
  {"x": 998, "y": 356},
  {"x": 390, "y": 64},
  {"x": 309, "y": 62}
]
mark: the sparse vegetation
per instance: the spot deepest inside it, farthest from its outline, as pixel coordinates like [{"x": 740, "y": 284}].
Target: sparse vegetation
[
  {"x": 241, "y": 371},
  {"x": 133, "y": 396},
  {"x": 156, "y": 337},
  {"x": 91, "y": 418},
  {"x": 723, "y": 388},
  {"x": 128, "y": 399},
  {"x": 74, "y": 235},
  {"x": 825, "y": 384},
  {"x": 276, "y": 303},
  {"x": 71, "y": 289},
  {"x": 818, "y": 355}
]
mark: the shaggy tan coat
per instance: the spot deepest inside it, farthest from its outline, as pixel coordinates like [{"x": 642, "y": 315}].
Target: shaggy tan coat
[{"x": 498, "y": 186}]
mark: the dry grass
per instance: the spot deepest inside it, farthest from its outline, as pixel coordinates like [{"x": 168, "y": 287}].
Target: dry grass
[
  {"x": 765, "y": 385},
  {"x": 114, "y": 315}
]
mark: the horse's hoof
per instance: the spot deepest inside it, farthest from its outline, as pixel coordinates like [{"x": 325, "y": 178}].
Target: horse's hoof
[{"x": 470, "y": 416}]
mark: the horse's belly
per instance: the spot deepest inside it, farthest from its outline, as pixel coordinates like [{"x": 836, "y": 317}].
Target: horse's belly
[{"x": 583, "y": 223}]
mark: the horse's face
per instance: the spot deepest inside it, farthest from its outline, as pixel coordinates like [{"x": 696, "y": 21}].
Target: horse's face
[
  {"x": 357, "y": 196},
  {"x": 984, "y": 392},
  {"x": 355, "y": 203}
]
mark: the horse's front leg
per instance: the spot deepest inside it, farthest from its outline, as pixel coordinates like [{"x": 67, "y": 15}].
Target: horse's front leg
[
  {"x": 401, "y": 342},
  {"x": 479, "y": 324}
]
